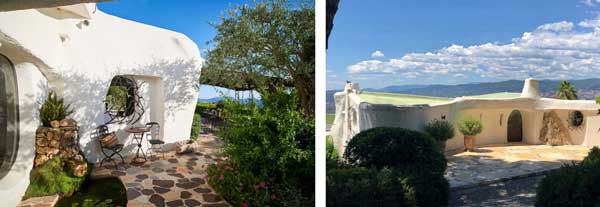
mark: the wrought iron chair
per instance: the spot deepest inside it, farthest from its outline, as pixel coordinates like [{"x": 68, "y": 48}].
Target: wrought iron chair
[
  {"x": 114, "y": 150},
  {"x": 153, "y": 136}
]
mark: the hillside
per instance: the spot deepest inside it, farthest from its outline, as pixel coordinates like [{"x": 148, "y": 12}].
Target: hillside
[{"x": 588, "y": 89}]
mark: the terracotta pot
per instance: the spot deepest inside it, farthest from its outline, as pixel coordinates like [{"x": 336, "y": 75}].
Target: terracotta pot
[
  {"x": 469, "y": 142},
  {"x": 442, "y": 145}
]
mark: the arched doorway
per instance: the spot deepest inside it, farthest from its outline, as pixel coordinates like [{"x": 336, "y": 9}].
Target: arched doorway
[
  {"x": 9, "y": 116},
  {"x": 515, "y": 127}
]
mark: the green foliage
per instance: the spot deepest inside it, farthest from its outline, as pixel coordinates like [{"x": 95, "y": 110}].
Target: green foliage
[
  {"x": 470, "y": 126},
  {"x": 440, "y": 130},
  {"x": 330, "y": 149},
  {"x": 104, "y": 192},
  {"x": 196, "y": 127},
  {"x": 268, "y": 44},
  {"x": 412, "y": 156},
  {"x": 54, "y": 108},
  {"x": 202, "y": 108},
  {"x": 395, "y": 147},
  {"x": 367, "y": 187},
  {"x": 274, "y": 141},
  {"x": 50, "y": 178},
  {"x": 572, "y": 184},
  {"x": 593, "y": 157},
  {"x": 116, "y": 98},
  {"x": 566, "y": 91}
]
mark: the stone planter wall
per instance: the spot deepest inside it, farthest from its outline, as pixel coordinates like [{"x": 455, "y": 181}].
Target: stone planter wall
[{"x": 60, "y": 140}]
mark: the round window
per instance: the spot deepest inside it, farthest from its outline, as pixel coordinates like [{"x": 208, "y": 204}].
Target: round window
[{"x": 575, "y": 119}]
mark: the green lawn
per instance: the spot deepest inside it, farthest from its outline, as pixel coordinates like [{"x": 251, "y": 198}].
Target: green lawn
[
  {"x": 400, "y": 99},
  {"x": 498, "y": 95},
  {"x": 329, "y": 118}
]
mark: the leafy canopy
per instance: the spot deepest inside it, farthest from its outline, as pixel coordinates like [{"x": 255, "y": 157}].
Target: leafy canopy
[{"x": 263, "y": 46}]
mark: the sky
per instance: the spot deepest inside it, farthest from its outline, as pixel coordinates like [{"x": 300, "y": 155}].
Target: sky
[
  {"x": 189, "y": 17},
  {"x": 393, "y": 42}
]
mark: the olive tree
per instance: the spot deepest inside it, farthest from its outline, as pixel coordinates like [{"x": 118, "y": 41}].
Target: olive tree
[{"x": 262, "y": 47}]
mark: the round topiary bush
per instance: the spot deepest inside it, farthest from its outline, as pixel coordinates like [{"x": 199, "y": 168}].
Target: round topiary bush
[
  {"x": 440, "y": 130},
  {"x": 404, "y": 149},
  {"x": 470, "y": 126}
]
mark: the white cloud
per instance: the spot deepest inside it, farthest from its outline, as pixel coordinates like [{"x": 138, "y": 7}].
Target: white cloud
[
  {"x": 552, "y": 50},
  {"x": 377, "y": 54},
  {"x": 590, "y": 2}
]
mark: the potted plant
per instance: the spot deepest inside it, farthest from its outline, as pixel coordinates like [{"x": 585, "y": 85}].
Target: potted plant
[
  {"x": 470, "y": 127},
  {"x": 440, "y": 130}
]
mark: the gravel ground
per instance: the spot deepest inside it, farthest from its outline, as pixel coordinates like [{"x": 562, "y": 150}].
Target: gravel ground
[{"x": 520, "y": 192}]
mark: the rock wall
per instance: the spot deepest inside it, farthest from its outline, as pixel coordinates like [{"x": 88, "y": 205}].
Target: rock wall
[
  {"x": 60, "y": 140},
  {"x": 553, "y": 131}
]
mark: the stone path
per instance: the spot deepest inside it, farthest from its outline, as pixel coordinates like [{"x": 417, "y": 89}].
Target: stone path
[
  {"x": 177, "y": 180},
  {"x": 519, "y": 192},
  {"x": 493, "y": 163}
]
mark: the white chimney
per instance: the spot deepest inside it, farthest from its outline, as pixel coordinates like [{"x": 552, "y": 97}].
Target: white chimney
[{"x": 531, "y": 89}]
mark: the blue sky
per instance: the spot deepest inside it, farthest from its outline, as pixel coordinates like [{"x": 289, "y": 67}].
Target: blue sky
[
  {"x": 190, "y": 17},
  {"x": 460, "y": 41}
]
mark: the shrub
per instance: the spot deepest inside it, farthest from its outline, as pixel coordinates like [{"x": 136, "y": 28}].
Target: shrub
[
  {"x": 54, "y": 108},
  {"x": 593, "y": 157},
  {"x": 273, "y": 141},
  {"x": 366, "y": 187},
  {"x": 470, "y": 126},
  {"x": 395, "y": 147},
  {"x": 330, "y": 150},
  {"x": 440, "y": 130},
  {"x": 196, "y": 127},
  {"x": 52, "y": 177},
  {"x": 572, "y": 184},
  {"x": 428, "y": 190}
]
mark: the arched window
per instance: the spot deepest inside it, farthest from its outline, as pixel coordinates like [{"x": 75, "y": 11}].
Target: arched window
[
  {"x": 123, "y": 102},
  {"x": 9, "y": 116}
]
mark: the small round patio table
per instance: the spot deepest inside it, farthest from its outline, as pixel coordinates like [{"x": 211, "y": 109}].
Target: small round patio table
[{"x": 138, "y": 136}]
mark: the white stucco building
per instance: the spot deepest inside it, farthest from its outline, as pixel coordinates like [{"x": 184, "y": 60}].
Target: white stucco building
[
  {"x": 76, "y": 51},
  {"x": 505, "y": 119}
]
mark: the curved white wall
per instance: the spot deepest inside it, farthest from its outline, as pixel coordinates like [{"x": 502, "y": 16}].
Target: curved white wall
[{"x": 78, "y": 58}]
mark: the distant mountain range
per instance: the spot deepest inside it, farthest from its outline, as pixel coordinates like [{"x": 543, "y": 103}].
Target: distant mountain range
[
  {"x": 587, "y": 88},
  {"x": 217, "y": 99}
]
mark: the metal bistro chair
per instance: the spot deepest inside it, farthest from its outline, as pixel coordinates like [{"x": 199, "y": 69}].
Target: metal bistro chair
[
  {"x": 101, "y": 132},
  {"x": 153, "y": 136}
]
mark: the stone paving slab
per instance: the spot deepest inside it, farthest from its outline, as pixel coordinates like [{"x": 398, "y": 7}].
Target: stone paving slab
[
  {"x": 494, "y": 163},
  {"x": 44, "y": 201},
  {"x": 177, "y": 180}
]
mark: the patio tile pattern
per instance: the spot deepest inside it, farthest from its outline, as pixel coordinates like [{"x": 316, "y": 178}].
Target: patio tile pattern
[
  {"x": 493, "y": 163},
  {"x": 44, "y": 201},
  {"x": 177, "y": 180}
]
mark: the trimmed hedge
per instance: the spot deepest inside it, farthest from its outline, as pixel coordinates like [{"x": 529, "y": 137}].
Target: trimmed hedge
[
  {"x": 572, "y": 184},
  {"x": 395, "y": 147},
  {"x": 408, "y": 160},
  {"x": 440, "y": 130},
  {"x": 366, "y": 187}
]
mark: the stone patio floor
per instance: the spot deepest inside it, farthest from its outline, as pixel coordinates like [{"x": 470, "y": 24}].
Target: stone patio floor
[
  {"x": 493, "y": 163},
  {"x": 177, "y": 180}
]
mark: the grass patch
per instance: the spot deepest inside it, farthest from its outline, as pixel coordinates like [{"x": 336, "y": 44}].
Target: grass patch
[
  {"x": 498, "y": 95},
  {"x": 400, "y": 99},
  {"x": 329, "y": 118},
  {"x": 51, "y": 178},
  {"x": 103, "y": 192}
]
